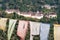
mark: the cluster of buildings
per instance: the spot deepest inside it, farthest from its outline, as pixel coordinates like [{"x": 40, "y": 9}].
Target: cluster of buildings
[
  {"x": 31, "y": 14},
  {"x": 49, "y": 6}
]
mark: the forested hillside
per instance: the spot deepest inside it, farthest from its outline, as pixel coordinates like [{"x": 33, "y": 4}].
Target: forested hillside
[{"x": 27, "y": 5}]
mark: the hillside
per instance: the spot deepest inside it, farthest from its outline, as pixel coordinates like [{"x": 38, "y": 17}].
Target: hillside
[{"x": 26, "y": 5}]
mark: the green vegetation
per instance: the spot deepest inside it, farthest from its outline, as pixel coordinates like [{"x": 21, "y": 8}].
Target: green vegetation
[
  {"x": 58, "y": 14},
  {"x": 27, "y": 5}
]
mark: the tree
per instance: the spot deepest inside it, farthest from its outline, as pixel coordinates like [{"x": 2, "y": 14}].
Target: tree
[{"x": 58, "y": 14}]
